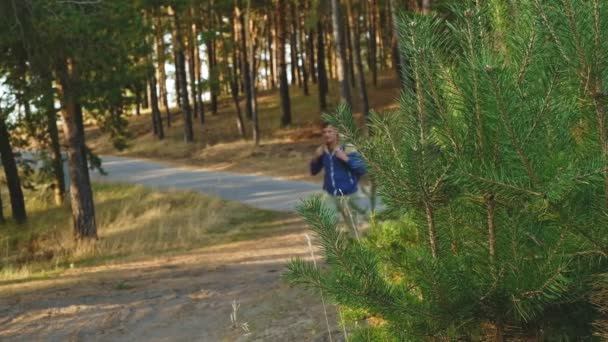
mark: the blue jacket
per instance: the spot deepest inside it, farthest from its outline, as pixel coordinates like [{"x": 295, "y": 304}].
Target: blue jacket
[{"x": 341, "y": 177}]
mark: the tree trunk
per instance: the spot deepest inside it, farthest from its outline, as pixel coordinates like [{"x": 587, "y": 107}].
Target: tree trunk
[
  {"x": 396, "y": 55},
  {"x": 349, "y": 51},
  {"x": 192, "y": 46},
  {"x": 81, "y": 194},
  {"x": 162, "y": 75},
  {"x": 311, "y": 56},
  {"x": 283, "y": 85},
  {"x": 272, "y": 66},
  {"x": 302, "y": 55},
  {"x": 12, "y": 174},
  {"x": 157, "y": 118},
  {"x": 245, "y": 67},
  {"x": 137, "y": 101},
  {"x": 234, "y": 89},
  {"x": 213, "y": 75},
  {"x": 57, "y": 160},
  {"x": 198, "y": 78},
  {"x": 180, "y": 72},
  {"x": 373, "y": 43},
  {"x": 254, "y": 111},
  {"x": 323, "y": 83},
  {"x": 293, "y": 60},
  {"x": 341, "y": 63},
  {"x": 354, "y": 38}
]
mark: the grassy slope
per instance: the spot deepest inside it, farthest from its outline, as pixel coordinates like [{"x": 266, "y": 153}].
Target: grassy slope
[
  {"x": 133, "y": 222},
  {"x": 283, "y": 152}
]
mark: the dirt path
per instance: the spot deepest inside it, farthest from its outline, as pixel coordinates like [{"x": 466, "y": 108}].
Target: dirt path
[{"x": 179, "y": 298}]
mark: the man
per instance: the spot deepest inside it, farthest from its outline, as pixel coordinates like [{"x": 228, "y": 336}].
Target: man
[{"x": 343, "y": 168}]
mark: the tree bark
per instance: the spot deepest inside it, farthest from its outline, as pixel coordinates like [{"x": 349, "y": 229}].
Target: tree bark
[
  {"x": 180, "y": 72},
  {"x": 192, "y": 47},
  {"x": 57, "y": 159},
  {"x": 396, "y": 55},
  {"x": 212, "y": 65},
  {"x": 2, "y": 220},
  {"x": 81, "y": 194},
  {"x": 426, "y": 6},
  {"x": 341, "y": 63},
  {"x": 349, "y": 52},
  {"x": 234, "y": 88},
  {"x": 254, "y": 111},
  {"x": 245, "y": 67},
  {"x": 198, "y": 77},
  {"x": 12, "y": 174},
  {"x": 283, "y": 85},
  {"x": 302, "y": 55},
  {"x": 162, "y": 75},
  {"x": 157, "y": 118},
  {"x": 354, "y": 38},
  {"x": 272, "y": 67},
  {"x": 322, "y": 73},
  {"x": 373, "y": 43}
]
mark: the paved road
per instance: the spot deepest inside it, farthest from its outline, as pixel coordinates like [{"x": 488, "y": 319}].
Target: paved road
[{"x": 258, "y": 191}]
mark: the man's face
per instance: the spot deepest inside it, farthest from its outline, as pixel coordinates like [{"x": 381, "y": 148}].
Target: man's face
[{"x": 330, "y": 136}]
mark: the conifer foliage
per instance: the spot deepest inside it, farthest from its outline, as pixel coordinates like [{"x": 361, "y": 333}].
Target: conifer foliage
[{"x": 494, "y": 175}]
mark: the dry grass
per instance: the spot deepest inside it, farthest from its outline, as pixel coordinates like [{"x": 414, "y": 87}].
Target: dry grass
[
  {"x": 133, "y": 222},
  {"x": 284, "y": 152}
]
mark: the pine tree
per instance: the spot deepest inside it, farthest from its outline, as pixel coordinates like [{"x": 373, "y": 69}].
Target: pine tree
[{"x": 493, "y": 174}]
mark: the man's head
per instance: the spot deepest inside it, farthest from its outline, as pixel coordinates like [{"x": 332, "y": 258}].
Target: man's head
[{"x": 330, "y": 135}]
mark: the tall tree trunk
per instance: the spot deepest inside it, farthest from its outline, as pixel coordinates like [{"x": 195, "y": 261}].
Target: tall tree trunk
[
  {"x": 245, "y": 67},
  {"x": 270, "y": 39},
  {"x": 330, "y": 51},
  {"x": 51, "y": 121},
  {"x": 198, "y": 77},
  {"x": 12, "y": 174},
  {"x": 284, "y": 86},
  {"x": 373, "y": 43},
  {"x": 275, "y": 42},
  {"x": 157, "y": 118},
  {"x": 234, "y": 88},
  {"x": 180, "y": 72},
  {"x": 137, "y": 101},
  {"x": 212, "y": 64},
  {"x": 81, "y": 194},
  {"x": 293, "y": 44},
  {"x": 295, "y": 77},
  {"x": 341, "y": 63},
  {"x": 396, "y": 55},
  {"x": 162, "y": 75},
  {"x": 192, "y": 46},
  {"x": 254, "y": 110},
  {"x": 311, "y": 56},
  {"x": 303, "y": 55},
  {"x": 349, "y": 51},
  {"x": 323, "y": 82},
  {"x": 354, "y": 38}
]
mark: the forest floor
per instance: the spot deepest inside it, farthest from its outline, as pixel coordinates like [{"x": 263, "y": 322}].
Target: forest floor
[
  {"x": 169, "y": 266},
  {"x": 283, "y": 152}
]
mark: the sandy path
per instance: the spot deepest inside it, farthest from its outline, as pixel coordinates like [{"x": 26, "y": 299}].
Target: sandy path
[{"x": 179, "y": 298}]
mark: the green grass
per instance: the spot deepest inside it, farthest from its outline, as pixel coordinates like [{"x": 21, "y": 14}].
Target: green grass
[{"x": 133, "y": 223}]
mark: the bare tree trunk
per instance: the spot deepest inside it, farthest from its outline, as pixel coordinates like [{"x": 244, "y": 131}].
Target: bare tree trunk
[
  {"x": 354, "y": 38},
  {"x": 2, "y": 220},
  {"x": 12, "y": 174},
  {"x": 323, "y": 83},
  {"x": 303, "y": 56},
  {"x": 162, "y": 80},
  {"x": 157, "y": 118},
  {"x": 295, "y": 75},
  {"x": 396, "y": 55},
  {"x": 191, "y": 47},
  {"x": 212, "y": 65},
  {"x": 373, "y": 43},
  {"x": 254, "y": 111},
  {"x": 331, "y": 53},
  {"x": 311, "y": 56},
  {"x": 137, "y": 101},
  {"x": 234, "y": 88},
  {"x": 198, "y": 77},
  {"x": 81, "y": 194},
  {"x": 283, "y": 85},
  {"x": 180, "y": 72},
  {"x": 245, "y": 67},
  {"x": 341, "y": 63},
  {"x": 51, "y": 121},
  {"x": 272, "y": 66},
  {"x": 349, "y": 51}
]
